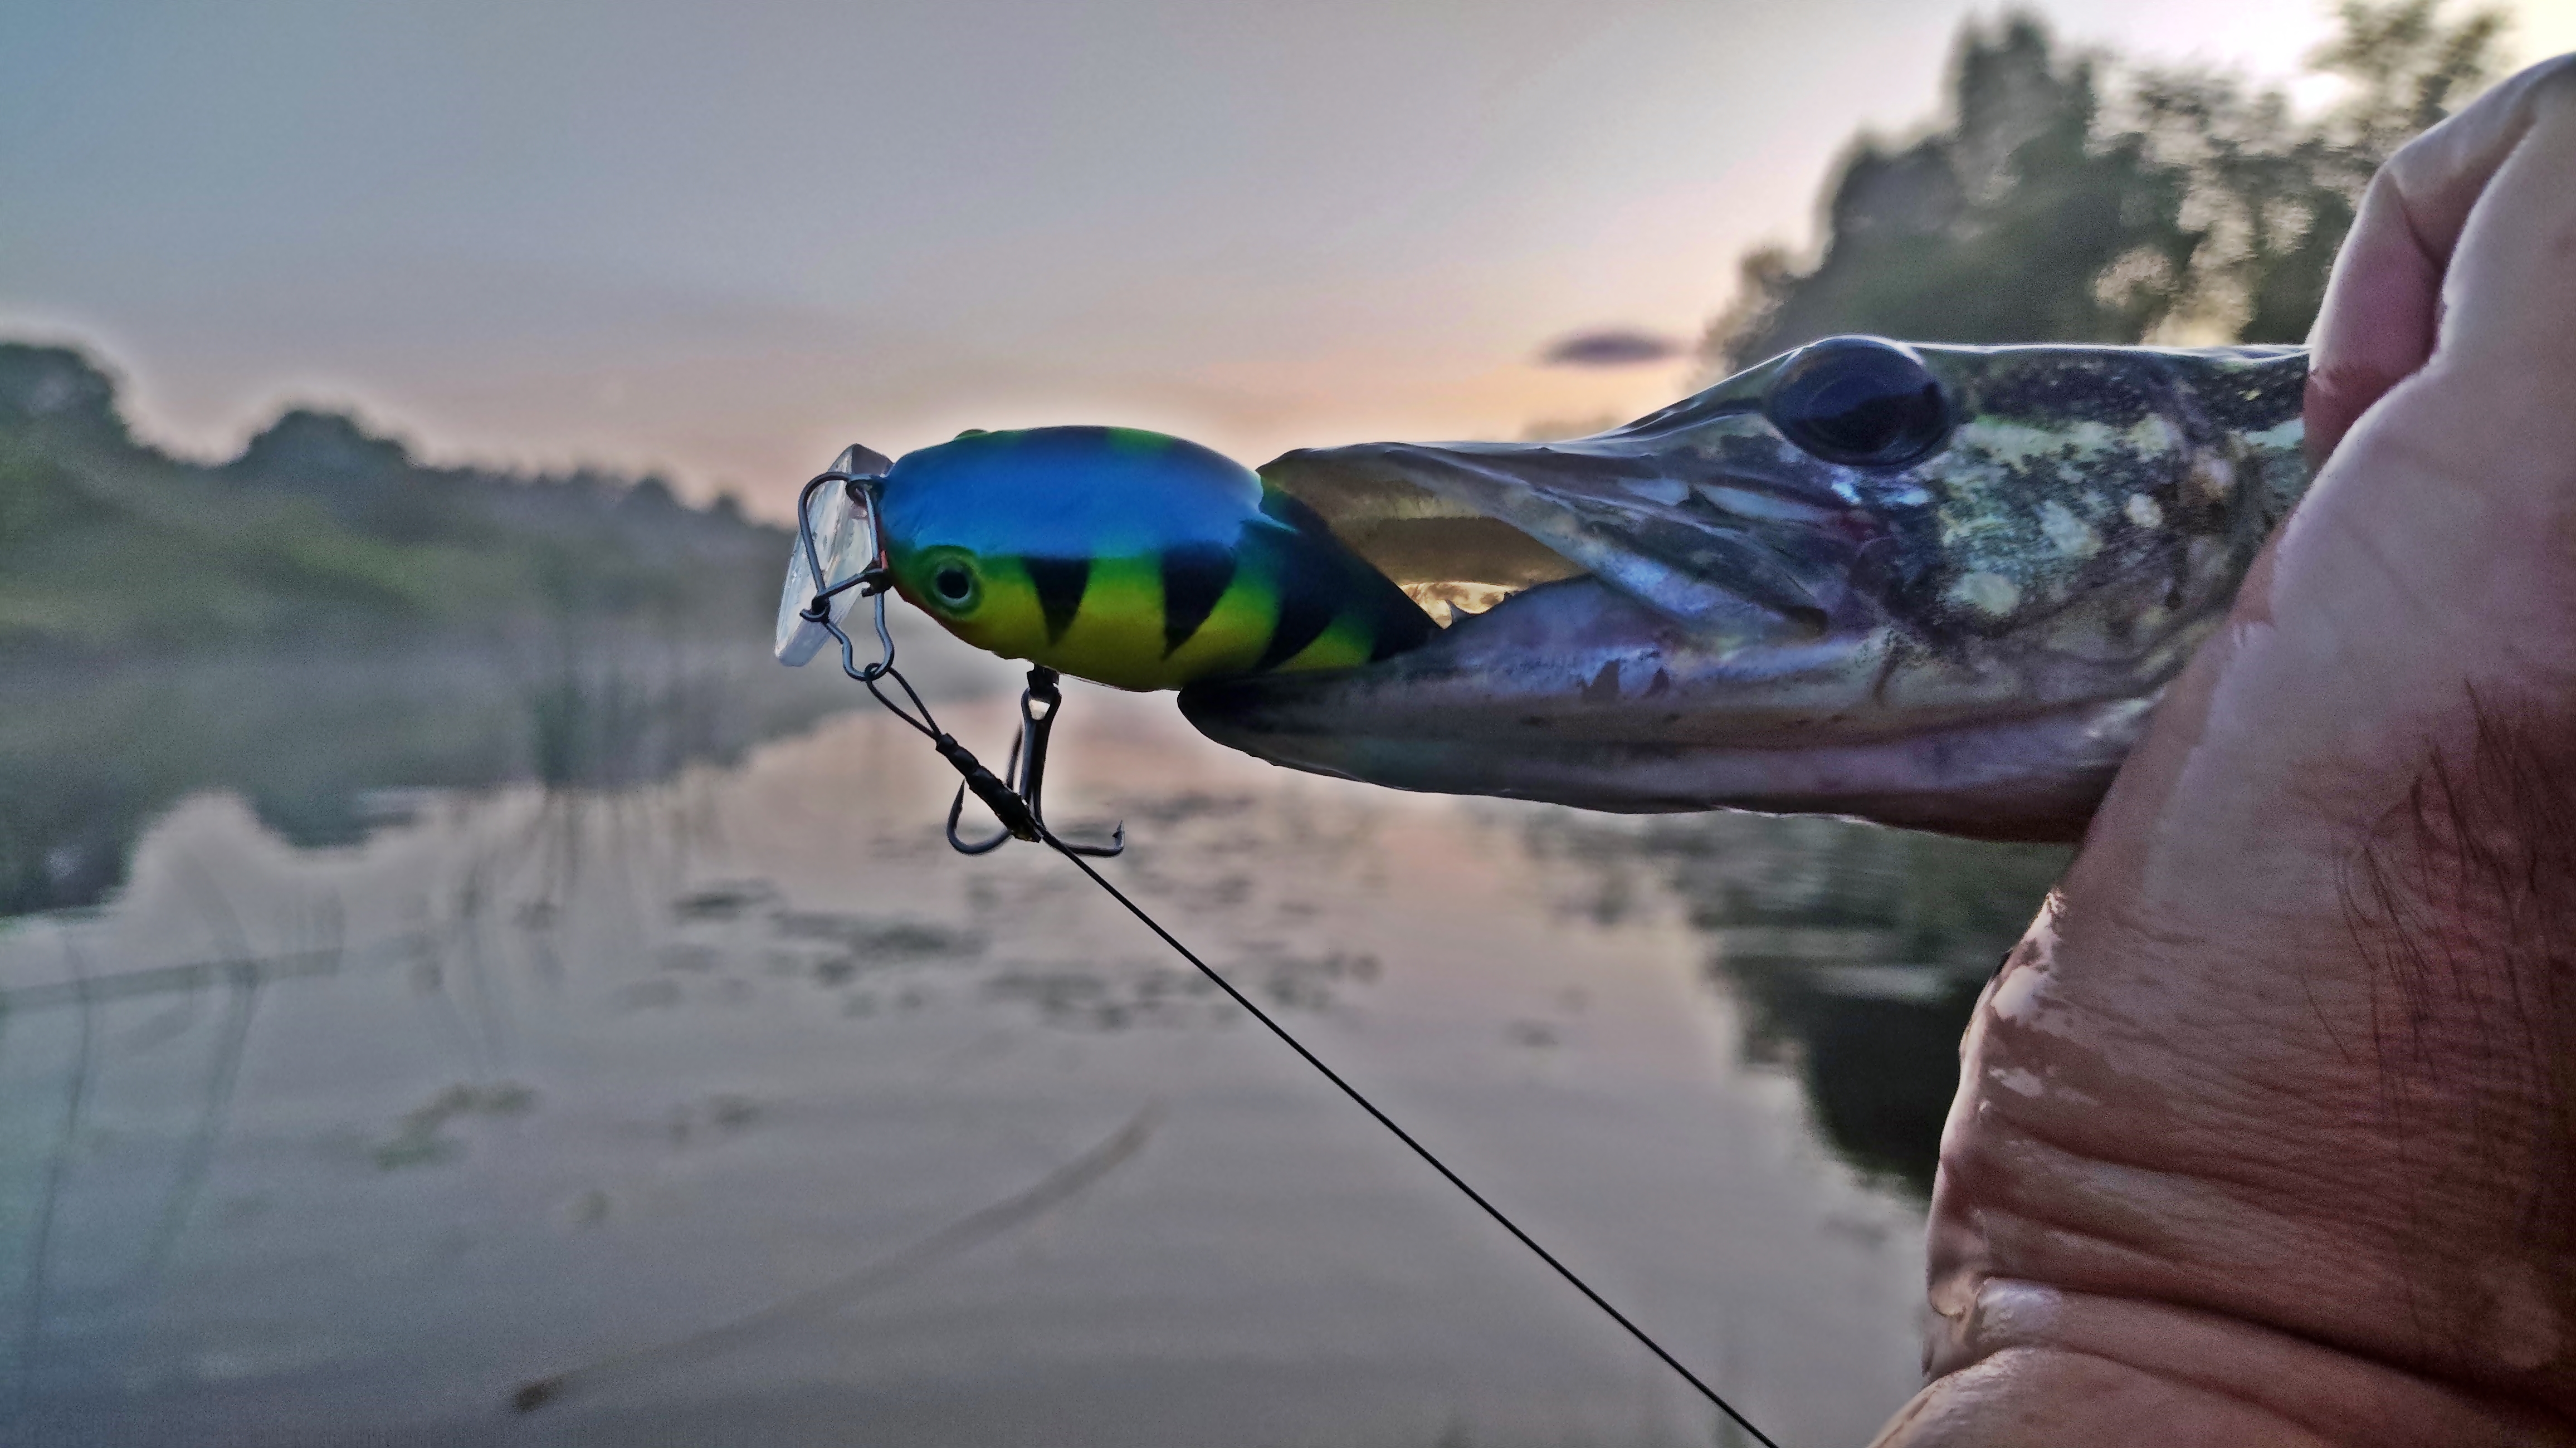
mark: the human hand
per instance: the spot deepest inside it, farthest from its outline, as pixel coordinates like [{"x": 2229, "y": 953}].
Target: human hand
[{"x": 2266, "y": 1132}]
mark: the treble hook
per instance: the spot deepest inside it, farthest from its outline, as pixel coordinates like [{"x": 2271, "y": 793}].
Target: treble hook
[
  {"x": 1026, "y": 778},
  {"x": 1013, "y": 797},
  {"x": 957, "y": 810}
]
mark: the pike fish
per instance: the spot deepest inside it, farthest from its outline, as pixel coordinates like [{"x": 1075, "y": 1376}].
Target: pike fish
[{"x": 1935, "y": 586}]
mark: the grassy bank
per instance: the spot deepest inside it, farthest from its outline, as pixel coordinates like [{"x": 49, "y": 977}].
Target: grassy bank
[{"x": 323, "y": 530}]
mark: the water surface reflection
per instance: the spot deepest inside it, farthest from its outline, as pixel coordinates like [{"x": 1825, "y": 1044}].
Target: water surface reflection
[
  {"x": 348, "y": 1124},
  {"x": 1858, "y": 952},
  {"x": 322, "y": 745}
]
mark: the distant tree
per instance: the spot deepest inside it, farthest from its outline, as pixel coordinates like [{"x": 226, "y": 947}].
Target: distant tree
[
  {"x": 2180, "y": 203},
  {"x": 368, "y": 481},
  {"x": 2273, "y": 196},
  {"x": 58, "y": 389},
  {"x": 652, "y": 494}
]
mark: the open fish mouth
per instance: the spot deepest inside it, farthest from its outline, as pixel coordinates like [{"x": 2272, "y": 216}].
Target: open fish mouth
[{"x": 1938, "y": 587}]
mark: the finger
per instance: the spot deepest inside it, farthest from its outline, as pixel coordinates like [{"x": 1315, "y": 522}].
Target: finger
[
  {"x": 2509, "y": 293},
  {"x": 2381, "y": 315},
  {"x": 2377, "y": 322}
]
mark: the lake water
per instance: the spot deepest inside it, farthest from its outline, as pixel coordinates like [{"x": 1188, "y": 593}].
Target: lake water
[{"x": 382, "y": 1038}]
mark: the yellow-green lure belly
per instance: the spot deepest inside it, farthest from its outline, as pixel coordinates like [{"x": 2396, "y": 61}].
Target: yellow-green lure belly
[{"x": 1130, "y": 558}]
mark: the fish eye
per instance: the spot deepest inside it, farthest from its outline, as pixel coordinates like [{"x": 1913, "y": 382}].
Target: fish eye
[
  {"x": 954, "y": 583},
  {"x": 1860, "y": 402}
]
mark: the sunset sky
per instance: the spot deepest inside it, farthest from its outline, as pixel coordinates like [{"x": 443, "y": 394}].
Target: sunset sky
[{"x": 722, "y": 240}]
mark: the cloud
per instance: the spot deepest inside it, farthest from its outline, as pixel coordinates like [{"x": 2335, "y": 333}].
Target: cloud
[{"x": 1611, "y": 347}]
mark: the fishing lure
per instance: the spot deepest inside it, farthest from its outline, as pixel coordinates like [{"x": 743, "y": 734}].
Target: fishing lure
[
  {"x": 1130, "y": 558},
  {"x": 1126, "y": 557}
]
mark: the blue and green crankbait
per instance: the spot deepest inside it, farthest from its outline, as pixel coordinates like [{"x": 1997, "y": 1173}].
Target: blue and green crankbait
[
  {"x": 1129, "y": 558},
  {"x": 1125, "y": 557}
]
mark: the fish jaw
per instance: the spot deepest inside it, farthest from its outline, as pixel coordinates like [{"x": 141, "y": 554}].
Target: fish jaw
[
  {"x": 1969, "y": 644},
  {"x": 1574, "y": 694}
]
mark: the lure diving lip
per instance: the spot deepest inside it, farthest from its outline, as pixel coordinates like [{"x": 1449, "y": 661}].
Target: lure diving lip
[
  {"x": 1125, "y": 557},
  {"x": 845, "y": 542}
]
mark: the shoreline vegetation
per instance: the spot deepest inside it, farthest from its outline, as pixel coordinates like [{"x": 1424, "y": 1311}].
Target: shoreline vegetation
[
  {"x": 324, "y": 624},
  {"x": 323, "y": 531}
]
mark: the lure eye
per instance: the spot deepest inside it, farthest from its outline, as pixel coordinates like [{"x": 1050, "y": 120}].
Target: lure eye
[
  {"x": 954, "y": 583},
  {"x": 1859, "y": 402}
]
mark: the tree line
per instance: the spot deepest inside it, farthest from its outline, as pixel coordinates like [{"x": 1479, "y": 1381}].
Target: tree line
[{"x": 2070, "y": 196}]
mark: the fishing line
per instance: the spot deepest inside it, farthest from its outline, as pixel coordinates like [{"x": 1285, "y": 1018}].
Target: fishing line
[
  {"x": 1017, "y": 809},
  {"x": 966, "y": 1233},
  {"x": 1418, "y": 1149}
]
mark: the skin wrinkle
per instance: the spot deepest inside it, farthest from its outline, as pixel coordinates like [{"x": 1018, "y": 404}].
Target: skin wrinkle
[
  {"x": 2117, "y": 1206},
  {"x": 2164, "y": 933},
  {"x": 2117, "y": 1366},
  {"x": 2017, "y": 1148},
  {"x": 2028, "y": 1001},
  {"x": 1974, "y": 1343},
  {"x": 2090, "y": 1257},
  {"x": 2329, "y": 1392},
  {"x": 2257, "y": 1114},
  {"x": 2115, "y": 1031},
  {"x": 2214, "y": 1388},
  {"x": 2017, "y": 1362}
]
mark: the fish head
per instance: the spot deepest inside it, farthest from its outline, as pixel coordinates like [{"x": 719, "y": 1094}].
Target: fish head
[{"x": 1933, "y": 586}]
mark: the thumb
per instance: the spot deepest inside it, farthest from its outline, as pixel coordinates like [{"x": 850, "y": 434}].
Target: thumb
[{"x": 2385, "y": 304}]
